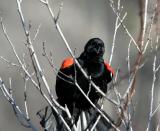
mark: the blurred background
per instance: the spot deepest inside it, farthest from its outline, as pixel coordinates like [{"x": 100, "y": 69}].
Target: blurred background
[{"x": 80, "y": 20}]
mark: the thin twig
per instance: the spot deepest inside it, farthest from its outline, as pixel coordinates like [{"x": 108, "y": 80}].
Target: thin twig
[
  {"x": 152, "y": 95},
  {"x": 157, "y": 68},
  {"x": 9, "y": 62},
  {"x": 129, "y": 87},
  {"x": 118, "y": 95},
  {"x": 115, "y": 33},
  {"x": 158, "y": 127},
  {"x": 11, "y": 44},
  {"x": 111, "y": 2},
  {"x": 155, "y": 111},
  {"x": 152, "y": 90},
  {"x": 150, "y": 30},
  {"x": 59, "y": 11},
  {"x": 128, "y": 60},
  {"x": 144, "y": 22},
  {"x": 55, "y": 70},
  {"x": 25, "y": 98},
  {"x": 10, "y": 87},
  {"x": 37, "y": 32},
  {"x": 16, "y": 108}
]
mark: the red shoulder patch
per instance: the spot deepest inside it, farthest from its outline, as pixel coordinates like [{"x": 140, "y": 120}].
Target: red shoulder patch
[
  {"x": 67, "y": 62},
  {"x": 109, "y": 67}
]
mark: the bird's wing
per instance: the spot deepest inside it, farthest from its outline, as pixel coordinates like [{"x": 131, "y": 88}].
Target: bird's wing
[
  {"x": 67, "y": 62},
  {"x": 109, "y": 68}
]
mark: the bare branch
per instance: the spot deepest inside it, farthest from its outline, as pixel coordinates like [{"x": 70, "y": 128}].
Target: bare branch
[
  {"x": 25, "y": 97},
  {"x": 152, "y": 95},
  {"x": 59, "y": 12},
  {"x": 16, "y": 108},
  {"x": 157, "y": 68},
  {"x": 55, "y": 70},
  {"x": 158, "y": 127},
  {"x": 128, "y": 60},
  {"x": 122, "y": 19},
  {"x": 118, "y": 95},
  {"x": 127, "y": 92},
  {"x": 29, "y": 76},
  {"x": 155, "y": 111},
  {"x": 144, "y": 22},
  {"x": 10, "y": 87},
  {"x": 115, "y": 33},
  {"x": 9, "y": 62},
  {"x": 11, "y": 44},
  {"x": 31, "y": 49},
  {"x": 37, "y": 32},
  {"x": 152, "y": 90},
  {"x": 44, "y": 1},
  {"x": 111, "y": 2},
  {"x": 150, "y": 30}
]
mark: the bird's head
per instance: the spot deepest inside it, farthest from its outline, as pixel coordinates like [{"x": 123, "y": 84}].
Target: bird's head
[
  {"x": 92, "y": 57},
  {"x": 94, "y": 50}
]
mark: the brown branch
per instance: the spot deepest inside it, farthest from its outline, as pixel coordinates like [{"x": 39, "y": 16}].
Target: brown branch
[{"x": 131, "y": 89}]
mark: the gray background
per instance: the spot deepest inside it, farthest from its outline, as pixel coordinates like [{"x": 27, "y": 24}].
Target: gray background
[{"x": 80, "y": 20}]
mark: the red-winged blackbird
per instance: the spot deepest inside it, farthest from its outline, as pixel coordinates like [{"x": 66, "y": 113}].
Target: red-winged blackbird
[
  {"x": 99, "y": 71},
  {"x": 68, "y": 94}
]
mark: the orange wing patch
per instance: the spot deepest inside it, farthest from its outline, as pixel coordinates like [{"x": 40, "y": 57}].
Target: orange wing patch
[
  {"x": 67, "y": 62},
  {"x": 109, "y": 67}
]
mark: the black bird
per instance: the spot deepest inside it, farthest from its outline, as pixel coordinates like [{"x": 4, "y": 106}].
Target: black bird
[{"x": 91, "y": 60}]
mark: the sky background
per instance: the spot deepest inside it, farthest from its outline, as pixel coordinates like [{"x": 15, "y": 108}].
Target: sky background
[{"x": 80, "y": 20}]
